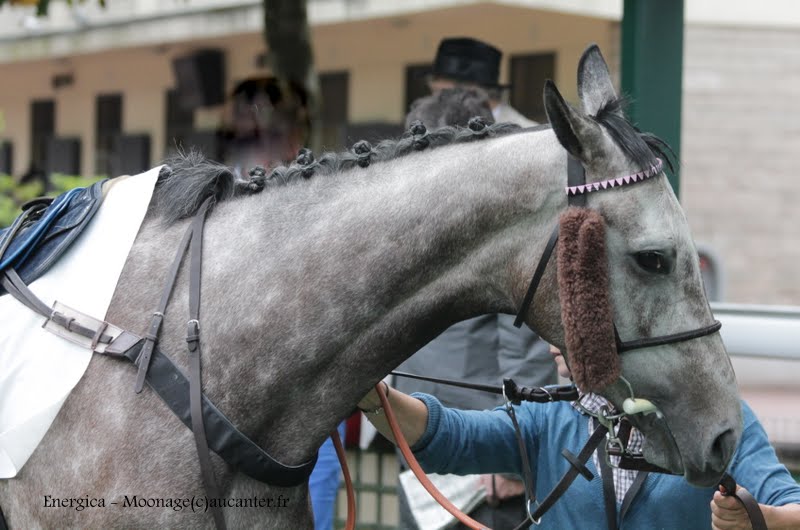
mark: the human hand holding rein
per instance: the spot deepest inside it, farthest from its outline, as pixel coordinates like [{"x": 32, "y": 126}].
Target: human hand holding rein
[{"x": 727, "y": 513}]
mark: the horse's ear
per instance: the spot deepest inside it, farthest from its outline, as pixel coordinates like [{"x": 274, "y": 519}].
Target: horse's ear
[
  {"x": 594, "y": 82},
  {"x": 574, "y": 130}
]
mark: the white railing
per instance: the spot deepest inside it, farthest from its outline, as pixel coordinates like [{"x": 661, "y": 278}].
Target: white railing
[{"x": 762, "y": 331}]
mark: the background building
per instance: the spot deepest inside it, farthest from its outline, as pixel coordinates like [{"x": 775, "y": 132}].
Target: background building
[{"x": 110, "y": 91}]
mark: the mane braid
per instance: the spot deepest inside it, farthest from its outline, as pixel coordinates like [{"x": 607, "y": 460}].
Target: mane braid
[
  {"x": 641, "y": 147},
  {"x": 187, "y": 179},
  {"x": 386, "y": 150}
]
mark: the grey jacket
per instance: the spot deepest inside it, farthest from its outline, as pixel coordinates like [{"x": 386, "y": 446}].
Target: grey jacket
[{"x": 484, "y": 350}]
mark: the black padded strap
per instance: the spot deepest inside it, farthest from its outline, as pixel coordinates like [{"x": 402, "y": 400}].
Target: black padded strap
[{"x": 241, "y": 453}]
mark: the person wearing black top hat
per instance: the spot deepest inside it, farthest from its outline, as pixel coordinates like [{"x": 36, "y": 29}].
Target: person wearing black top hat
[{"x": 464, "y": 61}]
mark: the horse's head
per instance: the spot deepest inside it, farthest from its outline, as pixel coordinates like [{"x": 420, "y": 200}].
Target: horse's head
[{"x": 655, "y": 288}]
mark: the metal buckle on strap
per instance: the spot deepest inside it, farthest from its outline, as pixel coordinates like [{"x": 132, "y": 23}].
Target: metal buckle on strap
[
  {"x": 531, "y": 512},
  {"x": 96, "y": 335},
  {"x": 193, "y": 334}
]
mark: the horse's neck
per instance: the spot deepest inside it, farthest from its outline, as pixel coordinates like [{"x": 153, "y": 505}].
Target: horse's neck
[{"x": 356, "y": 275}]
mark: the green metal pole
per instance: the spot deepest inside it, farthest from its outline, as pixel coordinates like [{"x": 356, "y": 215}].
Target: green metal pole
[{"x": 652, "y": 69}]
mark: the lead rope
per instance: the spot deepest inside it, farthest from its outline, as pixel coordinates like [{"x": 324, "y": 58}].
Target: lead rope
[
  {"x": 348, "y": 483},
  {"x": 415, "y": 467}
]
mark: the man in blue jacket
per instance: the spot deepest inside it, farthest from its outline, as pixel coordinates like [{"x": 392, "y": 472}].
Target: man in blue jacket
[{"x": 454, "y": 441}]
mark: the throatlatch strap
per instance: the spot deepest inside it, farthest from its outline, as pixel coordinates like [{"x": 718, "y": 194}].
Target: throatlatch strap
[{"x": 537, "y": 277}]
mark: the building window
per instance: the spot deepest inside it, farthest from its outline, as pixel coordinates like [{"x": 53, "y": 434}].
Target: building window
[
  {"x": 416, "y": 83},
  {"x": 108, "y": 112},
  {"x": 43, "y": 113},
  {"x": 528, "y": 74},
  {"x": 180, "y": 123},
  {"x": 334, "y": 93}
]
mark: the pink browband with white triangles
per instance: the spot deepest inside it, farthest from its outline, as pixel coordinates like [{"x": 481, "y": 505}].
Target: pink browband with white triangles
[{"x": 620, "y": 181}]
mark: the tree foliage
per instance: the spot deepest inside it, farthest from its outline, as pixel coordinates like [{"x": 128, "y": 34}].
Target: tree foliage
[{"x": 42, "y": 6}]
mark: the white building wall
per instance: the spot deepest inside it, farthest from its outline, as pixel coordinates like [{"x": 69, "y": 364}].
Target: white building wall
[{"x": 741, "y": 131}]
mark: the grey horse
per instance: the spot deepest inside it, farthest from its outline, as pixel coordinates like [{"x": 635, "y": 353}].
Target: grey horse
[{"x": 314, "y": 289}]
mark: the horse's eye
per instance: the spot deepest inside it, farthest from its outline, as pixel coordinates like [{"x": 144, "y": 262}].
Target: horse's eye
[{"x": 654, "y": 262}]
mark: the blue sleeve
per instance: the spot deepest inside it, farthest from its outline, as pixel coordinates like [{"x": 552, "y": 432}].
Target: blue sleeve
[
  {"x": 466, "y": 442},
  {"x": 756, "y": 467},
  {"x": 522, "y": 355}
]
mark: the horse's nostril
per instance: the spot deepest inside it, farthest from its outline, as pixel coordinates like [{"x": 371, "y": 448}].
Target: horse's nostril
[{"x": 722, "y": 449}]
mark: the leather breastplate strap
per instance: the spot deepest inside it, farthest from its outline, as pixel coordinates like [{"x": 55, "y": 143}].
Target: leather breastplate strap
[
  {"x": 172, "y": 386},
  {"x": 183, "y": 396}
]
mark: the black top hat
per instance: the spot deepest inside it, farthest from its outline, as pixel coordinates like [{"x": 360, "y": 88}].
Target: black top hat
[{"x": 468, "y": 60}]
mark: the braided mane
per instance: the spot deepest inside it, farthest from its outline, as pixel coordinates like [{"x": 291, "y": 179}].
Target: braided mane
[{"x": 188, "y": 178}]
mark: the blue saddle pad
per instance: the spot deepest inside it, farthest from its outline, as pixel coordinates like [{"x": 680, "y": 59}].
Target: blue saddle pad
[{"x": 39, "y": 245}]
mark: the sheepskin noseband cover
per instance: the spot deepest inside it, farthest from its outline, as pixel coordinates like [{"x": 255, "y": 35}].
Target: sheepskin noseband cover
[{"x": 584, "y": 294}]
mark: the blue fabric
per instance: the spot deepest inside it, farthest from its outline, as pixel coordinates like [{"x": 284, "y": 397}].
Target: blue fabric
[
  {"x": 323, "y": 483},
  {"x": 465, "y": 442},
  {"x": 38, "y": 246}
]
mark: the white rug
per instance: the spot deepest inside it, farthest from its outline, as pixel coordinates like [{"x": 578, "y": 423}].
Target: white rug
[{"x": 38, "y": 370}]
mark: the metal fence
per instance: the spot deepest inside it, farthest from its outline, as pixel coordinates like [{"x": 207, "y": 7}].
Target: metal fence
[{"x": 374, "y": 473}]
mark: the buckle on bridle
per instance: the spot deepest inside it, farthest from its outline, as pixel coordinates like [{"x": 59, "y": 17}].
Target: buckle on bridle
[{"x": 530, "y": 512}]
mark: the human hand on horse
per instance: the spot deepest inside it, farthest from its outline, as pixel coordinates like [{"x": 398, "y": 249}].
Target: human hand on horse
[{"x": 411, "y": 413}]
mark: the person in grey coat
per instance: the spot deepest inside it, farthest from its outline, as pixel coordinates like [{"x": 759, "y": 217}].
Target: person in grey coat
[
  {"x": 484, "y": 349},
  {"x": 468, "y": 62}
]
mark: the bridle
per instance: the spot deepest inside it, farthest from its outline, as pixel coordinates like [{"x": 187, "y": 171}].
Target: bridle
[
  {"x": 576, "y": 196},
  {"x": 606, "y": 423}
]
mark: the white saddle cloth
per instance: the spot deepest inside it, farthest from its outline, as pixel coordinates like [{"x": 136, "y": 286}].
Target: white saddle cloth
[{"x": 38, "y": 370}]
